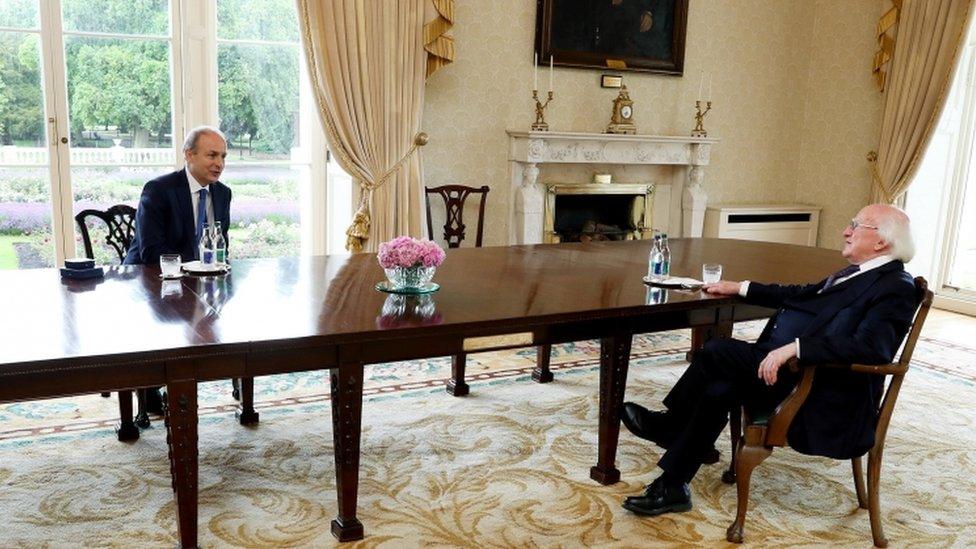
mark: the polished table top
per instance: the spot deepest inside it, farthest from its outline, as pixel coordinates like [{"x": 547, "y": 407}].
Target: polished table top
[{"x": 331, "y": 299}]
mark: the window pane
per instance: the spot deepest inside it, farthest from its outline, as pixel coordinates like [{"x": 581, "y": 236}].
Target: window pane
[
  {"x": 26, "y": 240},
  {"x": 258, "y": 98},
  {"x": 963, "y": 272},
  {"x": 264, "y": 216},
  {"x": 101, "y": 188},
  {"x": 117, "y": 16},
  {"x": 21, "y": 101},
  {"x": 257, "y": 20},
  {"x": 18, "y": 14},
  {"x": 118, "y": 93}
]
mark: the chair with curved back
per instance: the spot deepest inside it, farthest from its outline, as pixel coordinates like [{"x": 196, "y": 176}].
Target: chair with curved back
[
  {"x": 120, "y": 222},
  {"x": 454, "y": 197},
  {"x": 764, "y": 431}
]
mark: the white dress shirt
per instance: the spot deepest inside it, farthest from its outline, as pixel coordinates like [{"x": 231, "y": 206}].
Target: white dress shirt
[{"x": 195, "y": 187}]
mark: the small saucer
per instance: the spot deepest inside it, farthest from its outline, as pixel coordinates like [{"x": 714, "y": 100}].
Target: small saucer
[
  {"x": 176, "y": 276},
  {"x": 428, "y": 288}
]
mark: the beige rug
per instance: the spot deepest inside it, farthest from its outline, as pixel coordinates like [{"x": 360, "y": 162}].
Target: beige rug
[{"x": 505, "y": 467}]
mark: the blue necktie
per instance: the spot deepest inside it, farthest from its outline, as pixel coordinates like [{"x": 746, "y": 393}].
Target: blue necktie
[
  {"x": 201, "y": 214},
  {"x": 846, "y": 271}
]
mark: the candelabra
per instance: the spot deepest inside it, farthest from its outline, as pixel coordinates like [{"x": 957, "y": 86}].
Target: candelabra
[
  {"x": 540, "y": 112},
  {"x": 699, "y": 130}
]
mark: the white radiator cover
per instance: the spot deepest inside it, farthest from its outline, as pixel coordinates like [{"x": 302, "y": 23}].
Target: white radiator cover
[{"x": 784, "y": 223}]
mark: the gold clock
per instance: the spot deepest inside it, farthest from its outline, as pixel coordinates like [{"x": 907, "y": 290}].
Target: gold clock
[{"x": 622, "y": 117}]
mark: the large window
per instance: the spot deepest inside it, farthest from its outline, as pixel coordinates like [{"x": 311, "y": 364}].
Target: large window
[{"x": 96, "y": 95}]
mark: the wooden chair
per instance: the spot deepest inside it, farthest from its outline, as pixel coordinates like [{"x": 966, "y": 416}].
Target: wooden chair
[
  {"x": 454, "y": 197},
  {"x": 120, "y": 221},
  {"x": 762, "y": 433}
]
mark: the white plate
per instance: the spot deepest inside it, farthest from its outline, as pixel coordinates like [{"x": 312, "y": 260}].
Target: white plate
[
  {"x": 195, "y": 267},
  {"x": 676, "y": 282}
]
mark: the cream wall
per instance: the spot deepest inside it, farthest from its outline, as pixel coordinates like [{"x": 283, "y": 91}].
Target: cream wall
[{"x": 793, "y": 102}]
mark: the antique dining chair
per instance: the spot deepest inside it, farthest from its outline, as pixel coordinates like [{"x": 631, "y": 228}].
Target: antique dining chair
[
  {"x": 454, "y": 197},
  {"x": 119, "y": 220},
  {"x": 755, "y": 434}
]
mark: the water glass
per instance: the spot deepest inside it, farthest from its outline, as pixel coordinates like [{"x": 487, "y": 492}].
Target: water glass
[
  {"x": 711, "y": 273},
  {"x": 169, "y": 265}
]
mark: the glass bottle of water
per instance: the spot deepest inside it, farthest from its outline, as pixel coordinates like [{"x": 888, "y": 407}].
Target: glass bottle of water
[
  {"x": 655, "y": 261},
  {"x": 206, "y": 246},
  {"x": 666, "y": 257},
  {"x": 219, "y": 245}
]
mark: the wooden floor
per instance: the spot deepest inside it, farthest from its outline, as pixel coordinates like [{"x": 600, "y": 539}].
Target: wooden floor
[{"x": 950, "y": 326}]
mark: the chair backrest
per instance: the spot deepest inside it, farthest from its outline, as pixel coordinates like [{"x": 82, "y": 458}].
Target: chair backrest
[
  {"x": 454, "y": 197},
  {"x": 120, "y": 220}
]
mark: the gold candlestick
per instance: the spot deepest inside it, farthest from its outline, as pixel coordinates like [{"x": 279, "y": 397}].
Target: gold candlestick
[
  {"x": 699, "y": 130},
  {"x": 540, "y": 112}
]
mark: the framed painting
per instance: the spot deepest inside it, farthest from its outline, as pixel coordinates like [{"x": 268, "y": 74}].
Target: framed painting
[{"x": 623, "y": 35}]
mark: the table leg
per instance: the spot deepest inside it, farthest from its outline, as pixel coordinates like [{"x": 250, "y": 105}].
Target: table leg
[
  {"x": 541, "y": 373},
  {"x": 245, "y": 412},
  {"x": 347, "y": 407},
  {"x": 614, "y": 359},
  {"x": 126, "y": 429},
  {"x": 181, "y": 436}
]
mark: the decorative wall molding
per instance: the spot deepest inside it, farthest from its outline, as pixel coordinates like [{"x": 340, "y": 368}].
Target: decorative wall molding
[{"x": 529, "y": 150}]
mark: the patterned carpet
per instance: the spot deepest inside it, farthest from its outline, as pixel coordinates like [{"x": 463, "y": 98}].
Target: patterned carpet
[{"x": 506, "y": 466}]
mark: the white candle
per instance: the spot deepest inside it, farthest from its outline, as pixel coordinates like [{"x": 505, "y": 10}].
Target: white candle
[
  {"x": 708, "y": 98},
  {"x": 535, "y": 73},
  {"x": 550, "y": 73},
  {"x": 701, "y": 85}
]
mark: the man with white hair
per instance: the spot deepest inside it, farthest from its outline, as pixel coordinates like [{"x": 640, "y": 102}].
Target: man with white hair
[
  {"x": 174, "y": 208},
  {"x": 857, "y": 315}
]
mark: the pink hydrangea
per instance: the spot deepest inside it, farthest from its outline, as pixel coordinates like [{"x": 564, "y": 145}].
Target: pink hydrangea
[{"x": 404, "y": 251}]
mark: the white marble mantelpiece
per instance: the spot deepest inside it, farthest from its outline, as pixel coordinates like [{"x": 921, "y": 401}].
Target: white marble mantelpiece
[{"x": 529, "y": 150}]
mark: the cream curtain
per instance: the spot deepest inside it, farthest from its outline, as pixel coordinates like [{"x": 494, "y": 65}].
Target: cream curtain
[
  {"x": 930, "y": 36},
  {"x": 367, "y": 61}
]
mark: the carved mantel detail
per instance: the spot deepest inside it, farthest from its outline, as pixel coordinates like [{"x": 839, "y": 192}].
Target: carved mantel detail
[{"x": 527, "y": 150}]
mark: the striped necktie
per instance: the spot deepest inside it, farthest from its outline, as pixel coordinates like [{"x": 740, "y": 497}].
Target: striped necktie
[
  {"x": 846, "y": 271},
  {"x": 201, "y": 214}
]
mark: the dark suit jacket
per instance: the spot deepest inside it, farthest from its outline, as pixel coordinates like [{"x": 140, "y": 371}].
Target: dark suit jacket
[
  {"x": 164, "y": 219},
  {"x": 861, "y": 320}
]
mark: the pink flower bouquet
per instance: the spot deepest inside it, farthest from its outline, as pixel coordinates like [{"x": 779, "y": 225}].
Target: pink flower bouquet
[{"x": 404, "y": 251}]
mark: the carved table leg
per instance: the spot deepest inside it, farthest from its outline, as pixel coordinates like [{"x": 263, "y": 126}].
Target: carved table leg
[
  {"x": 181, "y": 436},
  {"x": 614, "y": 359},
  {"x": 347, "y": 407},
  {"x": 245, "y": 413},
  {"x": 126, "y": 430},
  {"x": 703, "y": 334},
  {"x": 541, "y": 373}
]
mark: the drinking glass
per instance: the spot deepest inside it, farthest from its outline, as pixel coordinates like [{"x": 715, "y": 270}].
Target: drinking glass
[
  {"x": 169, "y": 265},
  {"x": 711, "y": 273}
]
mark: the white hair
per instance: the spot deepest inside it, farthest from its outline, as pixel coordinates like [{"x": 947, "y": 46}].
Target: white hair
[
  {"x": 190, "y": 143},
  {"x": 895, "y": 228}
]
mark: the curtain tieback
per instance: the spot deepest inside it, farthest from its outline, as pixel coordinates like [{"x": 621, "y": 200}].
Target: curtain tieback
[
  {"x": 876, "y": 177},
  {"x": 358, "y": 232}
]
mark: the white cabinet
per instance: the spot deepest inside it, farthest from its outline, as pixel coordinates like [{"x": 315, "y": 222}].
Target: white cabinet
[{"x": 788, "y": 223}]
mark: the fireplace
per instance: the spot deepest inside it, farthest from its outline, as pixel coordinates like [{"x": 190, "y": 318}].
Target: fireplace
[{"x": 586, "y": 212}]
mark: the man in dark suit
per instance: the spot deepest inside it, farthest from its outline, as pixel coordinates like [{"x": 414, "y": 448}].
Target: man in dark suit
[
  {"x": 857, "y": 315},
  {"x": 174, "y": 207}
]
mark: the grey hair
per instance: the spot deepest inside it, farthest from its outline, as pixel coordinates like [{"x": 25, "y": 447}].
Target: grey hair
[
  {"x": 190, "y": 143},
  {"x": 895, "y": 228}
]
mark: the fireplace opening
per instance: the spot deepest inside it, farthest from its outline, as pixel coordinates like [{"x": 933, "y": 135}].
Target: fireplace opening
[{"x": 583, "y": 218}]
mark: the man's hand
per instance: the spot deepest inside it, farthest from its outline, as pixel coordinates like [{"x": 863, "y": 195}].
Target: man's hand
[
  {"x": 722, "y": 287},
  {"x": 774, "y": 360}
]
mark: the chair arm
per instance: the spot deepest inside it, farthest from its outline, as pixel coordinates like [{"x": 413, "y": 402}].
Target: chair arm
[
  {"x": 782, "y": 417},
  {"x": 894, "y": 368}
]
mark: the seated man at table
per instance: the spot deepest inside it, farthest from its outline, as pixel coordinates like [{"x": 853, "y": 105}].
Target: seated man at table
[
  {"x": 857, "y": 315},
  {"x": 174, "y": 207}
]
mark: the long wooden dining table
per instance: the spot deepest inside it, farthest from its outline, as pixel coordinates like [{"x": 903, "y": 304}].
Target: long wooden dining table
[{"x": 271, "y": 316}]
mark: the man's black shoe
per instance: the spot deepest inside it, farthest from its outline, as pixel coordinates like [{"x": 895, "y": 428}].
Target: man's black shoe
[
  {"x": 154, "y": 401},
  {"x": 659, "y": 498},
  {"x": 657, "y": 428}
]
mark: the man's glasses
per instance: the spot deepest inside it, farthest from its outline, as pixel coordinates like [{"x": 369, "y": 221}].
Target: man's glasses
[{"x": 855, "y": 224}]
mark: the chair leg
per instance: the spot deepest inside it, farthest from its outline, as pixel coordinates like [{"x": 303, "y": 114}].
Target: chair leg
[
  {"x": 245, "y": 413},
  {"x": 858, "y": 470},
  {"x": 735, "y": 432},
  {"x": 456, "y": 385},
  {"x": 142, "y": 417},
  {"x": 747, "y": 460},
  {"x": 126, "y": 430},
  {"x": 874, "y": 499},
  {"x": 106, "y": 395},
  {"x": 541, "y": 372}
]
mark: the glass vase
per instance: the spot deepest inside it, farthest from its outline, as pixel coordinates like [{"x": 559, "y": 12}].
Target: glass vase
[{"x": 409, "y": 278}]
